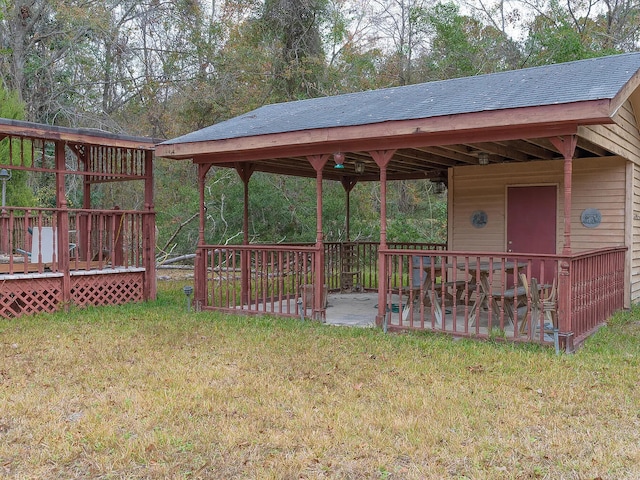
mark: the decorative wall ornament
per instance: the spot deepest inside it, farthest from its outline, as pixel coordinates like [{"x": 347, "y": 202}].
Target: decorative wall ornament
[
  {"x": 479, "y": 218},
  {"x": 591, "y": 217}
]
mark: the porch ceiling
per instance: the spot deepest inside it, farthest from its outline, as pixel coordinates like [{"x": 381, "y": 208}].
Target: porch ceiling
[{"x": 426, "y": 162}]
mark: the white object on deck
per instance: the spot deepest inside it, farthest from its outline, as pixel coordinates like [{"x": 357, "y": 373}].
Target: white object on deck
[{"x": 42, "y": 244}]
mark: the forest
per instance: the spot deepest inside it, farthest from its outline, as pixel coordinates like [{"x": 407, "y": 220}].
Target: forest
[{"x": 162, "y": 68}]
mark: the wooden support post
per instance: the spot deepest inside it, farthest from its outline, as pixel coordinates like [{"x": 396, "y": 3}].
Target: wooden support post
[
  {"x": 5, "y": 232},
  {"x": 245, "y": 170},
  {"x": 382, "y": 159},
  {"x": 348, "y": 183},
  {"x": 566, "y": 146},
  {"x": 117, "y": 256},
  {"x": 61, "y": 254},
  {"x": 83, "y": 238},
  {"x": 318, "y": 162},
  {"x": 200, "y": 262},
  {"x": 149, "y": 231}
]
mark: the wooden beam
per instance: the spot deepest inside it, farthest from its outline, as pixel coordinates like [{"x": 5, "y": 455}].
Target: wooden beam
[
  {"x": 547, "y": 145},
  {"x": 459, "y": 153},
  {"x": 592, "y": 148},
  {"x": 530, "y": 149},
  {"x": 567, "y": 147},
  {"x": 501, "y": 151},
  {"x": 428, "y": 158}
]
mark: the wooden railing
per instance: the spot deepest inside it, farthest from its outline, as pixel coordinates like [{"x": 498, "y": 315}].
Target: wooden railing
[
  {"x": 524, "y": 298},
  {"x": 366, "y": 261},
  {"x": 31, "y": 239},
  {"x": 492, "y": 295},
  {"x": 107, "y": 238},
  {"x": 275, "y": 279},
  {"x": 597, "y": 289}
]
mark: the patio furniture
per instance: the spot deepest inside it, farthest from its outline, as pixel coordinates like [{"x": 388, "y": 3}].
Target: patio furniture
[
  {"x": 421, "y": 280},
  {"x": 350, "y": 274},
  {"x": 549, "y": 307},
  {"x": 550, "y": 304},
  {"x": 420, "y": 289},
  {"x": 481, "y": 272},
  {"x": 512, "y": 299},
  {"x": 427, "y": 289},
  {"x": 533, "y": 292},
  {"x": 547, "y": 302},
  {"x": 420, "y": 275},
  {"x": 41, "y": 245},
  {"x": 42, "y": 242}
]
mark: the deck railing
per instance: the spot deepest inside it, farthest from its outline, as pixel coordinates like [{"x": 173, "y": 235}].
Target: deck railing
[
  {"x": 479, "y": 295},
  {"x": 524, "y": 298},
  {"x": 364, "y": 261},
  {"x": 31, "y": 239},
  {"x": 277, "y": 279},
  {"x": 597, "y": 289},
  {"x": 493, "y": 295}
]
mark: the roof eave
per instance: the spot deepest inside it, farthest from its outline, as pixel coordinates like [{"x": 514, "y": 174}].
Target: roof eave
[
  {"x": 527, "y": 122},
  {"x": 74, "y": 135}
]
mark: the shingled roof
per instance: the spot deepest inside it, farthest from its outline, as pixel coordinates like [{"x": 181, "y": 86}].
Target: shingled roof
[
  {"x": 431, "y": 127},
  {"x": 584, "y": 80}
]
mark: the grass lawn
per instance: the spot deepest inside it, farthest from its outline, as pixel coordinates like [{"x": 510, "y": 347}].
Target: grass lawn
[{"x": 151, "y": 391}]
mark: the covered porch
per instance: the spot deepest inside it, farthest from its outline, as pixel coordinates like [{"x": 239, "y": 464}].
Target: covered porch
[
  {"x": 55, "y": 257},
  {"x": 481, "y": 136}
]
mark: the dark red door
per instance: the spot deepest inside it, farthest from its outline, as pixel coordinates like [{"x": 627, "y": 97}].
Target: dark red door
[{"x": 531, "y": 222}]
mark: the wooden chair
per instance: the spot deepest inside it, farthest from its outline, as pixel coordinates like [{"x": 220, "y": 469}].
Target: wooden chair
[
  {"x": 350, "y": 274},
  {"x": 533, "y": 313},
  {"x": 546, "y": 304},
  {"x": 513, "y": 298},
  {"x": 550, "y": 306}
]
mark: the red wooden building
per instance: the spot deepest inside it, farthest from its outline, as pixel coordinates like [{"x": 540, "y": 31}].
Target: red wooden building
[
  {"x": 542, "y": 167},
  {"x": 57, "y": 256}
]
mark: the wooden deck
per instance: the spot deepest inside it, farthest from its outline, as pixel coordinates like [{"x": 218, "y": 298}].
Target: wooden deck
[{"x": 479, "y": 294}]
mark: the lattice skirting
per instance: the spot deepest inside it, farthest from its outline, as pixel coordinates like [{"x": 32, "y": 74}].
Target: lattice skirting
[
  {"x": 35, "y": 295},
  {"x": 107, "y": 289},
  {"x": 28, "y": 296}
]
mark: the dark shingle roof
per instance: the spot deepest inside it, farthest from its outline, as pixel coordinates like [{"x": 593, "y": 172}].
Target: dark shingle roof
[
  {"x": 92, "y": 136},
  {"x": 583, "y": 80}
]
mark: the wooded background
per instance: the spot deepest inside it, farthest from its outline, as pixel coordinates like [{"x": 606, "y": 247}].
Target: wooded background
[{"x": 162, "y": 68}]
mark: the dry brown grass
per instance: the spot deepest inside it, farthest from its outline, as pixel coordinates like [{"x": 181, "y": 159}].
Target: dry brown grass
[{"x": 149, "y": 391}]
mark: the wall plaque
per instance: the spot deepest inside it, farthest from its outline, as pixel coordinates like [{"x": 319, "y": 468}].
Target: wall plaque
[
  {"x": 479, "y": 218},
  {"x": 591, "y": 217}
]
